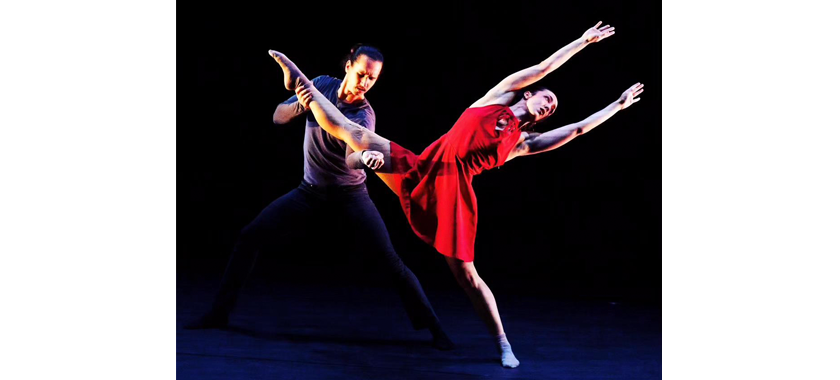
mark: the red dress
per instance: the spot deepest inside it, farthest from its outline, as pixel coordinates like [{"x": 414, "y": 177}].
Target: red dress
[{"x": 435, "y": 188}]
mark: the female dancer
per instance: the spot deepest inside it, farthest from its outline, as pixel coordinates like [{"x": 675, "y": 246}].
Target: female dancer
[{"x": 435, "y": 188}]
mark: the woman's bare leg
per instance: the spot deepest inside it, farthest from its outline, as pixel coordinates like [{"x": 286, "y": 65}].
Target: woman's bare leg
[
  {"x": 329, "y": 117},
  {"x": 484, "y": 304}
]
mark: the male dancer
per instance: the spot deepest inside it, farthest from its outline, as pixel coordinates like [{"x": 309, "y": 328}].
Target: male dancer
[{"x": 333, "y": 189}]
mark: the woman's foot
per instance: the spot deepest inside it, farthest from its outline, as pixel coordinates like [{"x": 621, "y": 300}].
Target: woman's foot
[
  {"x": 508, "y": 359},
  {"x": 292, "y": 76}
]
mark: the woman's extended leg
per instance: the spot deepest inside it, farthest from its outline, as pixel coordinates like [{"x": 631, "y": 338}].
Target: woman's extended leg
[{"x": 484, "y": 304}]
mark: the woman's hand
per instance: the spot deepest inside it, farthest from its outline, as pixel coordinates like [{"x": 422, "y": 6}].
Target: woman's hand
[
  {"x": 631, "y": 95},
  {"x": 595, "y": 34}
]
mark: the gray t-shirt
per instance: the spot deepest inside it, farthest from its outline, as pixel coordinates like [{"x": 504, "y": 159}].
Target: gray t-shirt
[{"x": 324, "y": 155}]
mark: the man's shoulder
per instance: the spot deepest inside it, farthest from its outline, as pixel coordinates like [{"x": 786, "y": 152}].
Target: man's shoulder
[
  {"x": 325, "y": 80},
  {"x": 328, "y": 86}
]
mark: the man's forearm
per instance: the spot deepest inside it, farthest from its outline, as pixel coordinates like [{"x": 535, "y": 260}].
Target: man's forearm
[
  {"x": 286, "y": 112},
  {"x": 354, "y": 160}
]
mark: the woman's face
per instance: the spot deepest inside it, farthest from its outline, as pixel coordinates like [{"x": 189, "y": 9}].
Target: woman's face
[
  {"x": 362, "y": 74},
  {"x": 540, "y": 104}
]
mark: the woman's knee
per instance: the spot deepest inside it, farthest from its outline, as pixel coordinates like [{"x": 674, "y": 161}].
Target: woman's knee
[
  {"x": 355, "y": 131},
  {"x": 467, "y": 278},
  {"x": 365, "y": 137}
]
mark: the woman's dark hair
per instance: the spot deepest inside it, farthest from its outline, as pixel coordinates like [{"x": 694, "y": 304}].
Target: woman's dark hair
[
  {"x": 533, "y": 89},
  {"x": 363, "y": 49}
]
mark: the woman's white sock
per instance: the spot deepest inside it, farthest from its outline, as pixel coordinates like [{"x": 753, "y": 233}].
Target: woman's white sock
[{"x": 508, "y": 359}]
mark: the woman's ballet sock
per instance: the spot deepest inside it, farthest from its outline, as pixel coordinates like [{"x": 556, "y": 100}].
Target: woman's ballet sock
[{"x": 508, "y": 359}]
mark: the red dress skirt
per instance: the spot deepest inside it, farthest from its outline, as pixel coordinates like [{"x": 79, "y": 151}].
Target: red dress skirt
[{"x": 435, "y": 188}]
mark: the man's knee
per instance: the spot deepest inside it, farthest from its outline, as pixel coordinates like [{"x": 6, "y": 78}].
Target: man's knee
[
  {"x": 389, "y": 258},
  {"x": 251, "y": 233}
]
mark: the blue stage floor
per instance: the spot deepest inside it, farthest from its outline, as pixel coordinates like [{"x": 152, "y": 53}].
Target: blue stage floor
[{"x": 327, "y": 332}]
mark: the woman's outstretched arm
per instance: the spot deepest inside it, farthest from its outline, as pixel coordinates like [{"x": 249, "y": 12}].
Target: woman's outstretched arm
[
  {"x": 539, "y": 143},
  {"x": 526, "y": 77}
]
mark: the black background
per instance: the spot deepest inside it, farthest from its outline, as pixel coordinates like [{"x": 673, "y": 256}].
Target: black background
[{"x": 580, "y": 221}]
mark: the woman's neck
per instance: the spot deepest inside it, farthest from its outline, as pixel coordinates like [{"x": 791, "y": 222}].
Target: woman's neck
[{"x": 520, "y": 110}]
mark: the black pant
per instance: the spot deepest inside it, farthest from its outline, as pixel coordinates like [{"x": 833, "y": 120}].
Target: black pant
[{"x": 345, "y": 207}]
